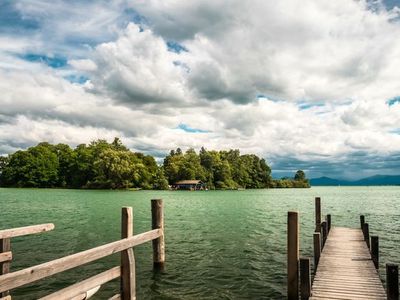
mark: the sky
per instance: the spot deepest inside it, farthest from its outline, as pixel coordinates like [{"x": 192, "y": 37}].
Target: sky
[{"x": 312, "y": 85}]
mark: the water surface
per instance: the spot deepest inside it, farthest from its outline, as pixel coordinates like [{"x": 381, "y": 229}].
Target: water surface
[{"x": 219, "y": 244}]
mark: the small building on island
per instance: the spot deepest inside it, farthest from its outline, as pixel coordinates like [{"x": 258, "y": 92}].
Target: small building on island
[{"x": 190, "y": 185}]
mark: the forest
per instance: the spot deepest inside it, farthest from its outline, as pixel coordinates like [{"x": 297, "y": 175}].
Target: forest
[{"x": 103, "y": 165}]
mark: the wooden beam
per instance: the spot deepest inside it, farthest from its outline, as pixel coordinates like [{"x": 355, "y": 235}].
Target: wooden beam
[
  {"x": 329, "y": 221},
  {"x": 375, "y": 250},
  {"x": 305, "y": 279},
  {"x": 87, "y": 295},
  {"x": 6, "y": 298},
  {"x": 14, "y": 232},
  {"x": 366, "y": 234},
  {"x": 392, "y": 281},
  {"x": 317, "y": 249},
  {"x": 293, "y": 256},
  {"x": 6, "y": 256},
  {"x": 362, "y": 221},
  {"x": 86, "y": 285},
  {"x": 157, "y": 217},
  {"x": 28, "y": 275},
  {"x": 5, "y": 246},
  {"x": 115, "y": 297},
  {"x": 317, "y": 214},
  {"x": 324, "y": 228},
  {"x": 128, "y": 280}
]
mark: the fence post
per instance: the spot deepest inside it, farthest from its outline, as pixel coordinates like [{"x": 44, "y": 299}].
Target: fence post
[
  {"x": 362, "y": 221},
  {"x": 366, "y": 234},
  {"x": 317, "y": 214},
  {"x": 305, "y": 279},
  {"x": 328, "y": 220},
  {"x": 392, "y": 281},
  {"x": 317, "y": 249},
  {"x": 128, "y": 276},
  {"x": 293, "y": 256},
  {"x": 375, "y": 250},
  {"x": 5, "y": 246},
  {"x": 157, "y": 217}
]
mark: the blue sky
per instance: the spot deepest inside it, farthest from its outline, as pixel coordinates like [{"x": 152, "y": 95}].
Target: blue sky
[{"x": 312, "y": 85}]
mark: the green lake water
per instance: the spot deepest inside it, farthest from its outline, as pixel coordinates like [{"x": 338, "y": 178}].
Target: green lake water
[{"x": 219, "y": 244}]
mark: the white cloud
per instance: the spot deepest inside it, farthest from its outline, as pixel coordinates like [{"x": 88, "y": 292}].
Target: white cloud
[{"x": 247, "y": 68}]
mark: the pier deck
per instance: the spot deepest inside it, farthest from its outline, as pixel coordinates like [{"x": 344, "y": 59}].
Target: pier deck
[{"x": 345, "y": 269}]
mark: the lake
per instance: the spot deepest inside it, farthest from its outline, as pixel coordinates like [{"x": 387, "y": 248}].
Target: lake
[{"x": 219, "y": 244}]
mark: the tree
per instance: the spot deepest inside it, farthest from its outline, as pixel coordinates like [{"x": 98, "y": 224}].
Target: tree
[{"x": 300, "y": 176}]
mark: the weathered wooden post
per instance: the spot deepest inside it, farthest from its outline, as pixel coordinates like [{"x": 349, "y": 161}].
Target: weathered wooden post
[
  {"x": 324, "y": 227},
  {"x": 317, "y": 214},
  {"x": 128, "y": 277},
  {"x": 392, "y": 281},
  {"x": 362, "y": 221},
  {"x": 293, "y": 256},
  {"x": 305, "y": 279},
  {"x": 375, "y": 250},
  {"x": 328, "y": 220},
  {"x": 366, "y": 234},
  {"x": 157, "y": 217},
  {"x": 317, "y": 249},
  {"x": 5, "y": 246}
]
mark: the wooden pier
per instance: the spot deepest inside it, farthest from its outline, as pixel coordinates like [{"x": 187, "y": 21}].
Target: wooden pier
[
  {"x": 346, "y": 263},
  {"x": 84, "y": 289}
]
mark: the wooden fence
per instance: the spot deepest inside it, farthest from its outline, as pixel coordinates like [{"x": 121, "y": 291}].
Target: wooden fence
[{"x": 84, "y": 289}]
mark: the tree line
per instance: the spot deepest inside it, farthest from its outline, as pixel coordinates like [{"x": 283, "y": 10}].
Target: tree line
[{"x": 106, "y": 165}]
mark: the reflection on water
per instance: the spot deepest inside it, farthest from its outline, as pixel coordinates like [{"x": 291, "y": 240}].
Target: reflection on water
[{"x": 219, "y": 244}]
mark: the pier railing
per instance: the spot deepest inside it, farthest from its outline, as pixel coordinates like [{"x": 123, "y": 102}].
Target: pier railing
[
  {"x": 299, "y": 276},
  {"x": 84, "y": 289}
]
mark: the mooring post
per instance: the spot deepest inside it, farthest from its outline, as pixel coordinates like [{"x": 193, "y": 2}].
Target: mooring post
[
  {"x": 362, "y": 221},
  {"x": 375, "y": 250},
  {"x": 366, "y": 234},
  {"x": 293, "y": 256},
  {"x": 305, "y": 279},
  {"x": 392, "y": 281},
  {"x": 328, "y": 220},
  {"x": 128, "y": 276},
  {"x": 157, "y": 217},
  {"x": 324, "y": 227},
  {"x": 317, "y": 249},
  {"x": 5, "y": 246},
  {"x": 317, "y": 214}
]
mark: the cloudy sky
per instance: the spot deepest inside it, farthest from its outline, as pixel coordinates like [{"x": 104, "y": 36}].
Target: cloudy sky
[{"x": 312, "y": 84}]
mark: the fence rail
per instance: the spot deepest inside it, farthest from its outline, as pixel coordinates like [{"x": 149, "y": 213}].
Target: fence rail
[{"x": 84, "y": 289}]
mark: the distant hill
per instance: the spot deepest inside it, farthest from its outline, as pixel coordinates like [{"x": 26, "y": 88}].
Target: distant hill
[{"x": 373, "y": 180}]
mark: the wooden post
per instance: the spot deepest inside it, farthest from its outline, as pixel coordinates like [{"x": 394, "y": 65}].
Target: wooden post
[
  {"x": 5, "y": 246},
  {"x": 324, "y": 227},
  {"x": 305, "y": 279},
  {"x": 366, "y": 234},
  {"x": 293, "y": 256},
  {"x": 317, "y": 214},
  {"x": 317, "y": 249},
  {"x": 128, "y": 276},
  {"x": 157, "y": 216},
  {"x": 392, "y": 281},
  {"x": 375, "y": 250},
  {"x": 362, "y": 221},
  {"x": 328, "y": 220}
]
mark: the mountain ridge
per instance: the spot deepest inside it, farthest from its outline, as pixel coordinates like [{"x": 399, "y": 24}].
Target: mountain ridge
[{"x": 371, "y": 180}]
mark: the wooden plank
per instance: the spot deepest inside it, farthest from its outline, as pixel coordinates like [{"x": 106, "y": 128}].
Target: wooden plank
[
  {"x": 6, "y": 256},
  {"x": 345, "y": 268},
  {"x": 305, "y": 279},
  {"x": 28, "y": 275},
  {"x": 115, "y": 297},
  {"x": 84, "y": 286},
  {"x": 14, "y": 232},
  {"x": 6, "y": 298},
  {"x": 128, "y": 280}
]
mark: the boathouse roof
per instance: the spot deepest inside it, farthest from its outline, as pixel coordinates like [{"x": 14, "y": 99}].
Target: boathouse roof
[{"x": 188, "y": 182}]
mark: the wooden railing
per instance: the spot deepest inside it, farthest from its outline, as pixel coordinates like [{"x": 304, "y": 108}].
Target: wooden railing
[{"x": 87, "y": 287}]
